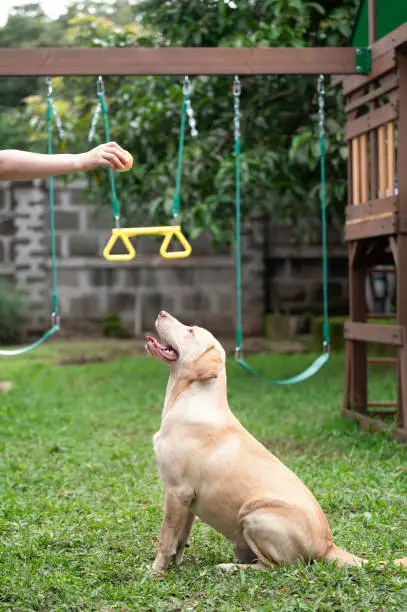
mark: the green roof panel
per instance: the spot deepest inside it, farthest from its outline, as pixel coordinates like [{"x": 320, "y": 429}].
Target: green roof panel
[{"x": 390, "y": 15}]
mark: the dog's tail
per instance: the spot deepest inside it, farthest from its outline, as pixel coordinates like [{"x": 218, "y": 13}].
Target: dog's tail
[{"x": 343, "y": 558}]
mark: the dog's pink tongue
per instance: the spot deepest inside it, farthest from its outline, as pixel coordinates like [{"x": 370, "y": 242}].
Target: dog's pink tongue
[{"x": 152, "y": 340}]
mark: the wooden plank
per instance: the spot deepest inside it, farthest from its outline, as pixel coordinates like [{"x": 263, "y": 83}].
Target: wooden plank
[
  {"x": 397, "y": 38},
  {"x": 383, "y": 360},
  {"x": 393, "y": 40},
  {"x": 177, "y": 61},
  {"x": 369, "y": 332},
  {"x": 372, "y": 120},
  {"x": 374, "y": 164},
  {"x": 372, "y": 21},
  {"x": 372, "y": 208},
  {"x": 381, "y": 141},
  {"x": 382, "y": 404},
  {"x": 384, "y": 414},
  {"x": 384, "y": 215},
  {"x": 385, "y": 226},
  {"x": 390, "y": 83},
  {"x": 364, "y": 170},
  {"x": 380, "y": 65},
  {"x": 355, "y": 172},
  {"x": 368, "y": 422},
  {"x": 391, "y": 152}
]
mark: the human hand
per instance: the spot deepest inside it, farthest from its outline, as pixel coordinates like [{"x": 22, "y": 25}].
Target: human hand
[{"x": 109, "y": 154}]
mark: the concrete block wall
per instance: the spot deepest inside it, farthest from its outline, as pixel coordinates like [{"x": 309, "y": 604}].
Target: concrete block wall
[
  {"x": 199, "y": 289},
  {"x": 294, "y": 275},
  {"x": 278, "y": 276}
]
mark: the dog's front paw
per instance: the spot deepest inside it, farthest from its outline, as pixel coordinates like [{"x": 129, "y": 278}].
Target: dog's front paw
[{"x": 158, "y": 568}]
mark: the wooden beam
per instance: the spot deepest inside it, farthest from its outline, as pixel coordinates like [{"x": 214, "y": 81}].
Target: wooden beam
[
  {"x": 372, "y": 208},
  {"x": 382, "y": 225},
  {"x": 380, "y": 66},
  {"x": 394, "y": 40},
  {"x": 372, "y": 18},
  {"x": 383, "y": 360},
  {"x": 177, "y": 61},
  {"x": 370, "y": 332},
  {"x": 368, "y": 422},
  {"x": 372, "y": 120},
  {"x": 388, "y": 83}
]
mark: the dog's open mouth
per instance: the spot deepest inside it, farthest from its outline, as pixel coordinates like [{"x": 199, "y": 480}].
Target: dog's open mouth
[{"x": 163, "y": 351}]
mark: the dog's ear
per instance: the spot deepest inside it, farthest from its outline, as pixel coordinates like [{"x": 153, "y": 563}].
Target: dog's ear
[{"x": 207, "y": 365}]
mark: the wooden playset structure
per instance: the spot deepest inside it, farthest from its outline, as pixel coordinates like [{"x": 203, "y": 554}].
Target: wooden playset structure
[
  {"x": 373, "y": 75},
  {"x": 376, "y": 215}
]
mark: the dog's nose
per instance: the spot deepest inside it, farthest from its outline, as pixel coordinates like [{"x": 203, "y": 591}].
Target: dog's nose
[{"x": 162, "y": 314}]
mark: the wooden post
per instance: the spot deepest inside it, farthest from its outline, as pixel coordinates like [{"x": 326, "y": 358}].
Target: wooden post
[
  {"x": 402, "y": 242},
  {"x": 358, "y": 352},
  {"x": 372, "y": 19}
]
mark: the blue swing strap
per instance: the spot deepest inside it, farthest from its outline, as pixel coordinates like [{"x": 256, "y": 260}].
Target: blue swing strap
[
  {"x": 324, "y": 357},
  {"x": 55, "y": 323}
]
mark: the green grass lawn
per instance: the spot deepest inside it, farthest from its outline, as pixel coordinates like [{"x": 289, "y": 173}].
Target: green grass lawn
[{"x": 81, "y": 502}]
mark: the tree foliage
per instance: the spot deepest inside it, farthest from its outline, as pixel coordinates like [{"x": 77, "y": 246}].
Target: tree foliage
[{"x": 280, "y": 159}]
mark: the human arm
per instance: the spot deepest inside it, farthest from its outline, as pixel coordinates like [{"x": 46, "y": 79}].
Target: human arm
[{"x": 21, "y": 165}]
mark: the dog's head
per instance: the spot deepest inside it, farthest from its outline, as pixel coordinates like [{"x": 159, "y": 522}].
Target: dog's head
[{"x": 192, "y": 351}]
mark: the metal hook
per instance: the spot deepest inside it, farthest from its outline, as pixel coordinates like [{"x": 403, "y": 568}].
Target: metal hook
[
  {"x": 48, "y": 82},
  {"x": 186, "y": 88},
  {"x": 237, "y": 88},
  {"x": 321, "y": 89},
  {"x": 238, "y": 353},
  {"x": 100, "y": 86}
]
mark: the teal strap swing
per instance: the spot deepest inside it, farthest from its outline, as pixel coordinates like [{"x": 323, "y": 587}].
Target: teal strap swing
[
  {"x": 323, "y": 358},
  {"x": 55, "y": 325}
]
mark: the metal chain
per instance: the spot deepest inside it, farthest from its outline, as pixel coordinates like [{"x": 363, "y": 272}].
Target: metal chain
[
  {"x": 237, "y": 89},
  {"x": 58, "y": 122},
  {"x": 321, "y": 128},
  {"x": 100, "y": 88},
  {"x": 190, "y": 111},
  {"x": 95, "y": 120},
  {"x": 321, "y": 105},
  {"x": 238, "y": 250}
]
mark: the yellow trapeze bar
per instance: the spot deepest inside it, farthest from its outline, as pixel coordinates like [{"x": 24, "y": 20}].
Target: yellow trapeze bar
[{"x": 125, "y": 233}]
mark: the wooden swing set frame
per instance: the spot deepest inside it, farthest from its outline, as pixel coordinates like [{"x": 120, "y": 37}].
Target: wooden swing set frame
[{"x": 374, "y": 84}]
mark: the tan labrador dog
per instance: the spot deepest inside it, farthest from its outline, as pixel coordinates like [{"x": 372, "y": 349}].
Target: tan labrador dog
[{"x": 213, "y": 468}]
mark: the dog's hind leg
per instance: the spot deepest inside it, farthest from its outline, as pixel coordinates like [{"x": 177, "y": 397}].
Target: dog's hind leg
[
  {"x": 247, "y": 558},
  {"x": 183, "y": 540},
  {"x": 343, "y": 558}
]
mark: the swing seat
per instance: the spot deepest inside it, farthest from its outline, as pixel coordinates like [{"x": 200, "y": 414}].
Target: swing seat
[
  {"x": 125, "y": 233},
  {"x": 25, "y": 349}
]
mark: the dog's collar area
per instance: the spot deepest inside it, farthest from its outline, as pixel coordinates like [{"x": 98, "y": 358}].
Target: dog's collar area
[{"x": 157, "y": 348}]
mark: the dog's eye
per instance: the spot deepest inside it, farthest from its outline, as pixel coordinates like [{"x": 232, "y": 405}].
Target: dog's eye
[{"x": 191, "y": 331}]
